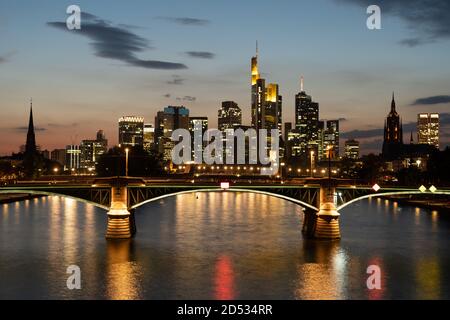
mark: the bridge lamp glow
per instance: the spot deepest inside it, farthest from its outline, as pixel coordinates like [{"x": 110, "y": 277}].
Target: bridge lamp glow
[
  {"x": 224, "y": 185},
  {"x": 376, "y": 187},
  {"x": 55, "y": 170}
]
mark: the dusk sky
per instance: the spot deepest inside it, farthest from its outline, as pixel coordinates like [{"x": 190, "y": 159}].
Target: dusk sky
[{"x": 136, "y": 57}]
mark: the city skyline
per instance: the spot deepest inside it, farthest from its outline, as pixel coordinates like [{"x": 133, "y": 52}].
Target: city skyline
[{"x": 72, "y": 102}]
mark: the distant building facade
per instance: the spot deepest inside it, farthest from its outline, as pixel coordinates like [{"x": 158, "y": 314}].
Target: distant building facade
[
  {"x": 131, "y": 131},
  {"x": 229, "y": 115},
  {"x": 92, "y": 150},
  {"x": 428, "y": 129},
  {"x": 73, "y": 158},
  {"x": 166, "y": 121},
  {"x": 352, "y": 149},
  {"x": 149, "y": 137}
]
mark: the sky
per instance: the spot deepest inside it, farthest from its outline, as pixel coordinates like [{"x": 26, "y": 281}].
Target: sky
[{"x": 135, "y": 58}]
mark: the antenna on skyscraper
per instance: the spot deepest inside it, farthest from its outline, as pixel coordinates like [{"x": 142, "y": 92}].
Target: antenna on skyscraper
[
  {"x": 301, "y": 83},
  {"x": 257, "y": 49}
]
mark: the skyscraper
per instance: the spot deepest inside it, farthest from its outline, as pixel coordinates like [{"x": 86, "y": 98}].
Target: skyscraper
[
  {"x": 428, "y": 129},
  {"x": 92, "y": 150},
  {"x": 149, "y": 137},
  {"x": 200, "y": 122},
  {"x": 131, "y": 131},
  {"x": 266, "y": 102},
  {"x": 393, "y": 134},
  {"x": 258, "y": 98},
  {"x": 172, "y": 118},
  {"x": 273, "y": 113},
  {"x": 352, "y": 149},
  {"x": 229, "y": 115},
  {"x": 331, "y": 139},
  {"x": 306, "y": 121},
  {"x": 73, "y": 157}
]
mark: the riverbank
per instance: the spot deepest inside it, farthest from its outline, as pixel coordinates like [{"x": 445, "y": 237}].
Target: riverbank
[
  {"x": 441, "y": 204},
  {"x": 9, "y": 198}
]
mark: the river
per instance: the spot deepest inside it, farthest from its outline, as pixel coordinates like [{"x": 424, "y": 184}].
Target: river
[{"x": 222, "y": 245}]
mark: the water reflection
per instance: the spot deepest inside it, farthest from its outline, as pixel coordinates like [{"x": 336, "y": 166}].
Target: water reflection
[
  {"x": 224, "y": 279},
  {"x": 222, "y": 245},
  {"x": 122, "y": 273},
  {"x": 321, "y": 273}
]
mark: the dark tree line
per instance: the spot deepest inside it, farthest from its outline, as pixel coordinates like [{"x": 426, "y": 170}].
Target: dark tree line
[{"x": 140, "y": 163}]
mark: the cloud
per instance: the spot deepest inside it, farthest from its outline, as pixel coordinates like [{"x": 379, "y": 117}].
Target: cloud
[
  {"x": 414, "y": 42},
  {"x": 200, "y": 54},
  {"x": 432, "y": 100},
  {"x": 362, "y": 134},
  {"x": 427, "y": 19},
  {"x": 61, "y": 125},
  {"x": 24, "y": 129},
  {"x": 186, "y": 21},
  {"x": 187, "y": 98},
  {"x": 176, "y": 80},
  {"x": 6, "y": 57},
  {"x": 372, "y": 145},
  {"x": 117, "y": 43}
]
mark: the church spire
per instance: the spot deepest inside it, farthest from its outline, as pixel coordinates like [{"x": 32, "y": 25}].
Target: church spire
[
  {"x": 393, "y": 102},
  {"x": 30, "y": 147}
]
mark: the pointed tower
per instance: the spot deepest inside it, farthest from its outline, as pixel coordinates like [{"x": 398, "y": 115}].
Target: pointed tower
[
  {"x": 393, "y": 111},
  {"x": 393, "y": 134},
  {"x": 255, "y": 71},
  {"x": 258, "y": 95},
  {"x": 30, "y": 147}
]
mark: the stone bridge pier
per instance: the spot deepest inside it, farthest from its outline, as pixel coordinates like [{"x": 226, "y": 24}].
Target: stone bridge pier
[
  {"x": 323, "y": 224},
  {"x": 121, "y": 224}
]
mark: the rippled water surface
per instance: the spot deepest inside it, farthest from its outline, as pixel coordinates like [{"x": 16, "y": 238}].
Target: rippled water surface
[{"x": 222, "y": 246}]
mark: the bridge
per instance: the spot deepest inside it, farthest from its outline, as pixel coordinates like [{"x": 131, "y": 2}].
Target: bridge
[{"x": 321, "y": 199}]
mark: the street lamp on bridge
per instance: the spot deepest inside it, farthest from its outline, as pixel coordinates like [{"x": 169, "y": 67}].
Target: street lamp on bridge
[
  {"x": 312, "y": 161},
  {"x": 126, "y": 161}
]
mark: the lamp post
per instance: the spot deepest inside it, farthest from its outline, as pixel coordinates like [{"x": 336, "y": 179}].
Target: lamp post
[
  {"x": 329, "y": 161},
  {"x": 126, "y": 161},
  {"x": 312, "y": 161}
]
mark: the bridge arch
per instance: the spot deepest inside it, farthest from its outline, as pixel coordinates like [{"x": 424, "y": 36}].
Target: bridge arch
[
  {"x": 392, "y": 193},
  {"x": 298, "y": 202},
  {"x": 47, "y": 193}
]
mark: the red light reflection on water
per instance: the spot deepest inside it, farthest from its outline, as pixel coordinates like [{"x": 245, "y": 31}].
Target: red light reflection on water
[{"x": 224, "y": 279}]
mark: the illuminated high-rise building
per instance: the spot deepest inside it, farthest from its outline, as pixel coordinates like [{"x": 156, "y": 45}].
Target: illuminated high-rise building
[
  {"x": 149, "y": 137},
  {"x": 428, "y": 129},
  {"x": 330, "y": 140},
  {"x": 306, "y": 121},
  {"x": 273, "y": 112},
  {"x": 73, "y": 157},
  {"x": 198, "y": 122},
  {"x": 352, "y": 149},
  {"x": 266, "y": 102},
  {"x": 229, "y": 115},
  {"x": 131, "y": 131},
  {"x": 92, "y": 150},
  {"x": 393, "y": 134},
  {"x": 166, "y": 121}
]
